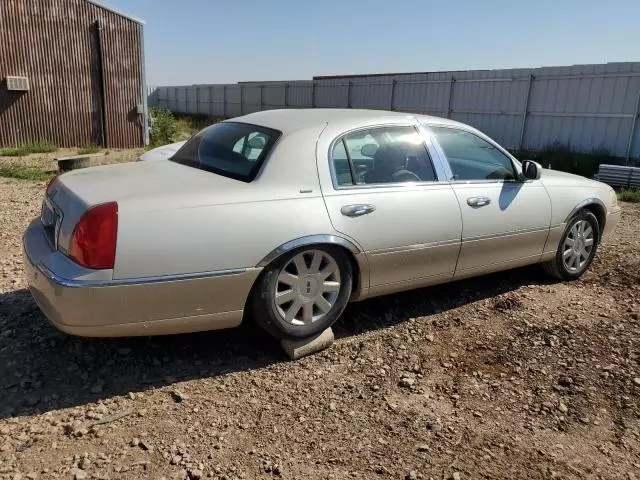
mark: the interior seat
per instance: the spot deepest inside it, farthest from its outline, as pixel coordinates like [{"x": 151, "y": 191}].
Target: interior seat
[{"x": 390, "y": 165}]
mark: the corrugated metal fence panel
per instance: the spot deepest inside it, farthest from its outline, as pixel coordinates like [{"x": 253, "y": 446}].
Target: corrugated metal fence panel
[
  {"x": 180, "y": 100},
  {"x": 234, "y": 106},
  {"x": 204, "y": 100},
  {"x": 586, "y": 113},
  {"x": 55, "y": 45},
  {"x": 170, "y": 96},
  {"x": 273, "y": 96},
  {"x": 299, "y": 95},
  {"x": 331, "y": 94},
  {"x": 494, "y": 105},
  {"x": 218, "y": 103},
  {"x": 373, "y": 95},
  {"x": 251, "y": 98},
  {"x": 586, "y": 107},
  {"x": 416, "y": 97},
  {"x": 192, "y": 100}
]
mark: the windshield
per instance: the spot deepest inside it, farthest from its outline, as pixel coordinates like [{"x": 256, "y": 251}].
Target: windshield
[{"x": 235, "y": 150}]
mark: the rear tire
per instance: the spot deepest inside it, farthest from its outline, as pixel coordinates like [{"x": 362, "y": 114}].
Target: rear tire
[
  {"x": 303, "y": 292},
  {"x": 576, "y": 249}
]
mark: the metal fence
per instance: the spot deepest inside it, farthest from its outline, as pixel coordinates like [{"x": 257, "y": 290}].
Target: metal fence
[{"x": 585, "y": 107}]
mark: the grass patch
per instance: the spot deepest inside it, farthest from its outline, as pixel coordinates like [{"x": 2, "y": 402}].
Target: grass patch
[
  {"x": 167, "y": 128},
  {"x": 629, "y": 195},
  {"x": 24, "y": 173},
  {"x": 561, "y": 157},
  {"x": 88, "y": 149},
  {"x": 164, "y": 128},
  {"x": 189, "y": 125},
  {"x": 28, "y": 149}
]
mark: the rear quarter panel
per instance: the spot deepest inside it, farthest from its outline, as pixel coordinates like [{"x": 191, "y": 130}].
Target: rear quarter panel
[
  {"x": 209, "y": 238},
  {"x": 189, "y": 233}
]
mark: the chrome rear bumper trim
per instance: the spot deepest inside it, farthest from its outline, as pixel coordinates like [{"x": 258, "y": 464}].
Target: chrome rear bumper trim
[{"x": 66, "y": 282}]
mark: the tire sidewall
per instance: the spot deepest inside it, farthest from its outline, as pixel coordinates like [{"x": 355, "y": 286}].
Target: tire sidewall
[
  {"x": 593, "y": 221},
  {"x": 263, "y": 305}
]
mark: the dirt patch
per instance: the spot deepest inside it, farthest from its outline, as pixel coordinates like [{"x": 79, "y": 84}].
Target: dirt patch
[
  {"x": 47, "y": 161},
  {"x": 507, "y": 376}
]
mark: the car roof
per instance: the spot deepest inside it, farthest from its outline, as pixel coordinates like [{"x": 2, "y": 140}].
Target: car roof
[{"x": 291, "y": 120}]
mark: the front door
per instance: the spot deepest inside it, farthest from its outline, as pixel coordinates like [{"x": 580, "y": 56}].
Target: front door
[
  {"x": 505, "y": 220},
  {"x": 382, "y": 190}
]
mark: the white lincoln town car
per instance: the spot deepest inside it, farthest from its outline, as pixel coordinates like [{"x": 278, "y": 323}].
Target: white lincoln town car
[{"x": 285, "y": 216}]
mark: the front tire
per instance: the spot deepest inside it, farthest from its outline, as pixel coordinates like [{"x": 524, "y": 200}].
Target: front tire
[
  {"x": 303, "y": 292},
  {"x": 577, "y": 247}
]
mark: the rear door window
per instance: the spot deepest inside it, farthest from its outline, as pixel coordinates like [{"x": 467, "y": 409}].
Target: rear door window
[
  {"x": 235, "y": 150},
  {"x": 382, "y": 155}
]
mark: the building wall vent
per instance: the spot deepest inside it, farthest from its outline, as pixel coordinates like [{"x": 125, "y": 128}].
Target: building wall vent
[{"x": 18, "y": 84}]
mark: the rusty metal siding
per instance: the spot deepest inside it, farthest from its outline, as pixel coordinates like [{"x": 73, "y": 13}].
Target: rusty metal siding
[{"x": 55, "y": 45}]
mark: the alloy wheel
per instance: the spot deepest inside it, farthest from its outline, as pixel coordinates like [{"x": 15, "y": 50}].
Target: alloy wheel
[
  {"x": 578, "y": 246},
  {"x": 307, "y": 287}
]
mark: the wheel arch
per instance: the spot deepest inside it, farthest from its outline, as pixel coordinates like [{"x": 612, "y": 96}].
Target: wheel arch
[
  {"x": 595, "y": 206},
  {"x": 359, "y": 265}
]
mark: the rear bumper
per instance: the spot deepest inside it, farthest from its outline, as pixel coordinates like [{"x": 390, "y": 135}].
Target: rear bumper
[{"x": 99, "y": 307}]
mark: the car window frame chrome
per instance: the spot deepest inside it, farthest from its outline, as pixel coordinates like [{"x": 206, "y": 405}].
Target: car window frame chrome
[{"x": 439, "y": 173}]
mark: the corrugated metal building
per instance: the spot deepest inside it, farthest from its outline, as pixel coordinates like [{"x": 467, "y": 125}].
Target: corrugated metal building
[{"x": 72, "y": 73}]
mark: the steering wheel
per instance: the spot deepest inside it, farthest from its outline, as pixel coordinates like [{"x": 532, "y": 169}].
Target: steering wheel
[{"x": 405, "y": 176}]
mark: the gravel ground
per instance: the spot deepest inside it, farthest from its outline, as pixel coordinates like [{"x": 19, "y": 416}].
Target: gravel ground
[{"x": 507, "y": 376}]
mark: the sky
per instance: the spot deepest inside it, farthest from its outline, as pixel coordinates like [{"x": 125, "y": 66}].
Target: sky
[{"x": 216, "y": 41}]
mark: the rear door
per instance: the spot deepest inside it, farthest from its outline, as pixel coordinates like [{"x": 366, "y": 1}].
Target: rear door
[
  {"x": 505, "y": 220},
  {"x": 383, "y": 190}
]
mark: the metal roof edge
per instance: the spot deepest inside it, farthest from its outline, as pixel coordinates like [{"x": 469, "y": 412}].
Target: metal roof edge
[
  {"x": 117, "y": 12},
  {"x": 392, "y": 74}
]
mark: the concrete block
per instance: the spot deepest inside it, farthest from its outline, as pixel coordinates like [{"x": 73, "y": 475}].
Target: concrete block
[{"x": 296, "y": 349}]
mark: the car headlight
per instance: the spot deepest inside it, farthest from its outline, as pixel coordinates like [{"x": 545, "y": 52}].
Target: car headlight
[{"x": 613, "y": 198}]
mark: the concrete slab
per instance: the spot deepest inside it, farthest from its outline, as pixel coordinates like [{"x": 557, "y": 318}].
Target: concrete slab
[{"x": 297, "y": 349}]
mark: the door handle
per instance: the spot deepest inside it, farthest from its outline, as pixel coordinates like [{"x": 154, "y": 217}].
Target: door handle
[
  {"x": 478, "y": 201},
  {"x": 357, "y": 210}
]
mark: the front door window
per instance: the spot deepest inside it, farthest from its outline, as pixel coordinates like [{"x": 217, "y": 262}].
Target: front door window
[{"x": 472, "y": 157}]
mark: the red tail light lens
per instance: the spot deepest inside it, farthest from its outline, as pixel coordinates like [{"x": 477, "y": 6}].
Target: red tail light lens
[{"x": 93, "y": 244}]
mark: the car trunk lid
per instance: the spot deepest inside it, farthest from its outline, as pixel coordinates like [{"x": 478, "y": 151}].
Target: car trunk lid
[
  {"x": 147, "y": 185},
  {"x": 141, "y": 179}
]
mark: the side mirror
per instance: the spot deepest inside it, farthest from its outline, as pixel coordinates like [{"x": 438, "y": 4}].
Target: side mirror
[{"x": 531, "y": 170}]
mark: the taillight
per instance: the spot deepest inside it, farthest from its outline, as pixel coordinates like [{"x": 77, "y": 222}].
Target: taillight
[{"x": 93, "y": 244}]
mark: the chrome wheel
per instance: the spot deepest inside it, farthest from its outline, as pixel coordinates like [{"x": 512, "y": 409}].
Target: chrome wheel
[
  {"x": 578, "y": 246},
  {"x": 307, "y": 287}
]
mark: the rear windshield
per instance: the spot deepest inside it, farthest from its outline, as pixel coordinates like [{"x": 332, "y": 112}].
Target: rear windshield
[{"x": 235, "y": 150}]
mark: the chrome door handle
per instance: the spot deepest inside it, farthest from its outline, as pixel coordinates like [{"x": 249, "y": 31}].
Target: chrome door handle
[
  {"x": 357, "y": 210},
  {"x": 478, "y": 201}
]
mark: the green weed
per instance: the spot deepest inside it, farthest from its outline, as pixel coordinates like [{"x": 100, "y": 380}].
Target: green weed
[{"x": 24, "y": 173}]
